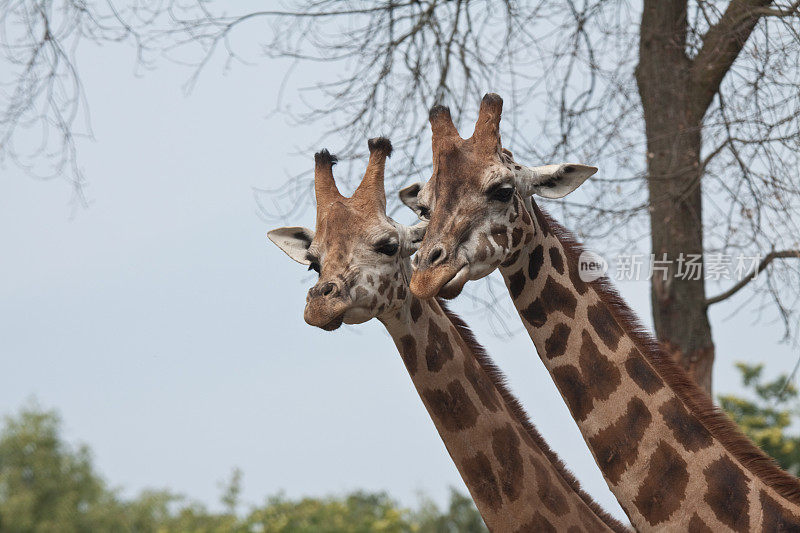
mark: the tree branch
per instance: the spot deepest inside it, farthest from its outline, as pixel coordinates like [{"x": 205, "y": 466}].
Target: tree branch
[
  {"x": 785, "y": 254},
  {"x": 721, "y": 45}
]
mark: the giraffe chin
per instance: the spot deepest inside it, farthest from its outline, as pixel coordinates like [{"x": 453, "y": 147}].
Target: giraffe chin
[
  {"x": 357, "y": 315},
  {"x": 333, "y": 324}
]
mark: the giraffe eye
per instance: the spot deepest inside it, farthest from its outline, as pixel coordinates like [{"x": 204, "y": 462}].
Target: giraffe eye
[
  {"x": 387, "y": 248},
  {"x": 502, "y": 193}
]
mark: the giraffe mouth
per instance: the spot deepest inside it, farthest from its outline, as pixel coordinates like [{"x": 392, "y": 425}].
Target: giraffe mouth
[
  {"x": 334, "y": 324},
  {"x": 428, "y": 282},
  {"x": 325, "y": 314},
  {"x": 453, "y": 288}
]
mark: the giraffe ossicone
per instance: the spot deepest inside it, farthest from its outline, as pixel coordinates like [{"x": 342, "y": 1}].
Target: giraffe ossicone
[
  {"x": 671, "y": 458},
  {"x": 516, "y": 481}
]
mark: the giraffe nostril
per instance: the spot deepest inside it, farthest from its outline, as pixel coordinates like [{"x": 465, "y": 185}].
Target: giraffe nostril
[
  {"x": 436, "y": 255},
  {"x": 328, "y": 289}
]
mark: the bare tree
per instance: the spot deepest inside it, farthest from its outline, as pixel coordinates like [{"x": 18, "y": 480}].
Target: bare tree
[{"x": 690, "y": 108}]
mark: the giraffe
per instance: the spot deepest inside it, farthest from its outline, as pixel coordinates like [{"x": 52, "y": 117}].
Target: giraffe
[
  {"x": 671, "y": 458},
  {"x": 361, "y": 256}
]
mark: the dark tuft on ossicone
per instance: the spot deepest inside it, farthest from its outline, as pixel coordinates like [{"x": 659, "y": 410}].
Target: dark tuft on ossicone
[
  {"x": 324, "y": 157},
  {"x": 381, "y": 144},
  {"x": 438, "y": 110},
  {"x": 492, "y": 98}
]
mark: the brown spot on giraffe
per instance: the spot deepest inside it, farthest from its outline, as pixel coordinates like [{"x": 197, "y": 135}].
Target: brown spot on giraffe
[
  {"x": 511, "y": 259},
  {"x": 526, "y": 218},
  {"x": 664, "y": 487},
  {"x": 601, "y": 376},
  {"x": 775, "y": 517},
  {"x": 479, "y": 475},
  {"x": 535, "y": 314},
  {"x": 605, "y": 325},
  {"x": 558, "y": 298},
  {"x": 556, "y": 343},
  {"x": 538, "y": 524},
  {"x": 687, "y": 429},
  {"x": 516, "y": 283},
  {"x": 416, "y": 309},
  {"x": 550, "y": 494},
  {"x": 696, "y": 525},
  {"x": 641, "y": 373},
  {"x": 401, "y": 292},
  {"x": 500, "y": 235},
  {"x": 554, "y": 297},
  {"x": 575, "y": 278},
  {"x": 597, "y": 379},
  {"x": 452, "y": 406},
  {"x": 439, "y": 349},
  {"x": 505, "y": 445},
  {"x": 516, "y": 236},
  {"x": 408, "y": 351},
  {"x": 541, "y": 222},
  {"x": 727, "y": 493},
  {"x": 385, "y": 281},
  {"x": 573, "y": 389},
  {"x": 484, "y": 249},
  {"x": 556, "y": 261},
  {"x": 617, "y": 446},
  {"x": 528, "y": 238},
  {"x": 482, "y": 385},
  {"x": 535, "y": 261},
  {"x": 361, "y": 294}
]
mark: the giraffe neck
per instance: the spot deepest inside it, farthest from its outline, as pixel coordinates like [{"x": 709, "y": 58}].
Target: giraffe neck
[
  {"x": 517, "y": 483},
  {"x": 672, "y": 460}
]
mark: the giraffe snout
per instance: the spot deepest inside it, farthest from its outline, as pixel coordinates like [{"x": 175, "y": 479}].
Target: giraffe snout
[
  {"x": 326, "y": 304},
  {"x": 328, "y": 289},
  {"x": 436, "y": 255}
]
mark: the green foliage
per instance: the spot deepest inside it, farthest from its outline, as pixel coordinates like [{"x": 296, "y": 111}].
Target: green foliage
[
  {"x": 47, "y": 486},
  {"x": 355, "y": 513},
  {"x": 462, "y": 517},
  {"x": 767, "y": 418}
]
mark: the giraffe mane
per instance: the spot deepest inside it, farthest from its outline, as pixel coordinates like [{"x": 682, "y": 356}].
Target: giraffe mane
[
  {"x": 696, "y": 400},
  {"x": 500, "y": 382}
]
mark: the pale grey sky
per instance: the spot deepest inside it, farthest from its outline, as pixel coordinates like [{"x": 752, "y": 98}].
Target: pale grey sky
[{"x": 168, "y": 331}]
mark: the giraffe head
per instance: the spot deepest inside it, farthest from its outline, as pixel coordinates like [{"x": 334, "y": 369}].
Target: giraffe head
[
  {"x": 475, "y": 202},
  {"x": 360, "y": 253}
]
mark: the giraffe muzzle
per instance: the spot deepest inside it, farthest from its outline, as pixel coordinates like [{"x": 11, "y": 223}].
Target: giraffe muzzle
[
  {"x": 326, "y": 305},
  {"x": 429, "y": 282}
]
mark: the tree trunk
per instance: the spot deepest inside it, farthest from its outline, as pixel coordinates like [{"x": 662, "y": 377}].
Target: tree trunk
[{"x": 673, "y": 130}]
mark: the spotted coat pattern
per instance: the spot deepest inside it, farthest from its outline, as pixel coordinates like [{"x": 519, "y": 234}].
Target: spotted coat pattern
[
  {"x": 672, "y": 463},
  {"x": 515, "y": 480},
  {"x": 512, "y": 480},
  {"x": 664, "y": 466}
]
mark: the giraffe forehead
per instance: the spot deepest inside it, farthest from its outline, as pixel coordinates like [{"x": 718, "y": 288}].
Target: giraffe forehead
[
  {"x": 458, "y": 170},
  {"x": 462, "y": 190},
  {"x": 347, "y": 227}
]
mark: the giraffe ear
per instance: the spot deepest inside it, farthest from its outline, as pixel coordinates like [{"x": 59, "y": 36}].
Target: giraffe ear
[
  {"x": 411, "y": 238},
  {"x": 554, "y": 181},
  {"x": 294, "y": 241},
  {"x": 408, "y": 196}
]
